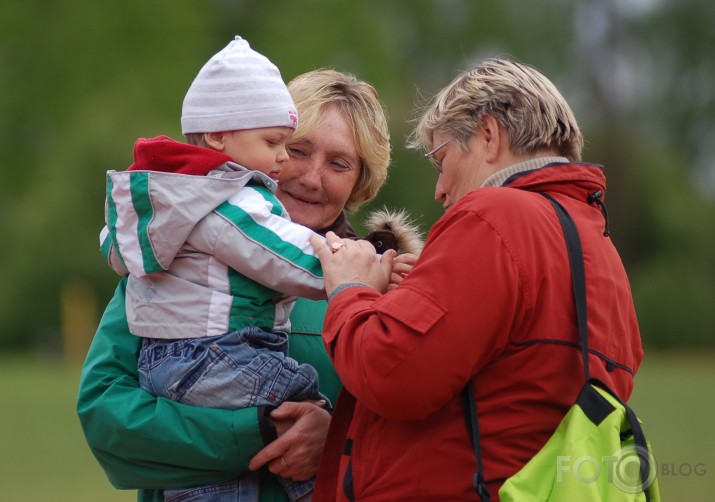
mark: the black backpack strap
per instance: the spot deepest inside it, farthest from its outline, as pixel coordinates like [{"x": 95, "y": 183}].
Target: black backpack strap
[
  {"x": 641, "y": 449},
  {"x": 578, "y": 276},
  {"x": 470, "y": 417},
  {"x": 639, "y": 440}
]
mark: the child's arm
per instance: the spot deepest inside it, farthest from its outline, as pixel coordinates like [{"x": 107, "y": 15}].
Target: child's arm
[
  {"x": 146, "y": 442},
  {"x": 110, "y": 252},
  {"x": 252, "y": 234}
]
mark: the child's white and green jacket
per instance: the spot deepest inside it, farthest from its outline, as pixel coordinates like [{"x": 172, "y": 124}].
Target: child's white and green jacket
[{"x": 205, "y": 254}]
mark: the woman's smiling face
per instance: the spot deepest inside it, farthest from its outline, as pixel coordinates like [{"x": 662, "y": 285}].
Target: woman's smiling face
[{"x": 321, "y": 172}]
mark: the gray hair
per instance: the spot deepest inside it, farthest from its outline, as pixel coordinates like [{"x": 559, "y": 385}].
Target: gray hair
[{"x": 526, "y": 103}]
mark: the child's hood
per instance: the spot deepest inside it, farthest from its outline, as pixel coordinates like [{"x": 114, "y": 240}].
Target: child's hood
[
  {"x": 153, "y": 206},
  {"x": 167, "y": 155}
]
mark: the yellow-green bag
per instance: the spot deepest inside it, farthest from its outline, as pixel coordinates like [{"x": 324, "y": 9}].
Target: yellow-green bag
[
  {"x": 595, "y": 454},
  {"x": 599, "y": 451}
]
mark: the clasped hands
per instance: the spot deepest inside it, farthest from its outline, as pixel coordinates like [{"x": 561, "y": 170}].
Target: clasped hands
[
  {"x": 353, "y": 261},
  {"x": 302, "y": 427}
]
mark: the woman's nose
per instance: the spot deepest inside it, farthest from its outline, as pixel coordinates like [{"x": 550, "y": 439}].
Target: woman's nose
[
  {"x": 439, "y": 194},
  {"x": 311, "y": 174}
]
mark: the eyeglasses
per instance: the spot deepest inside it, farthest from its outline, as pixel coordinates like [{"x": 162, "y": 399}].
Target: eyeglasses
[{"x": 433, "y": 160}]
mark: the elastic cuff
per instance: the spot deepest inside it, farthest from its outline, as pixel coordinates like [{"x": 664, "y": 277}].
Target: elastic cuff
[
  {"x": 346, "y": 286},
  {"x": 266, "y": 425}
]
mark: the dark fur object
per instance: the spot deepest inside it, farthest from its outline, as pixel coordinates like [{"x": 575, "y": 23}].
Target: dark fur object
[{"x": 394, "y": 230}]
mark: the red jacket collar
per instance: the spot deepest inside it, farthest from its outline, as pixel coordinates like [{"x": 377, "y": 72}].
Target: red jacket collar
[
  {"x": 559, "y": 173},
  {"x": 167, "y": 155}
]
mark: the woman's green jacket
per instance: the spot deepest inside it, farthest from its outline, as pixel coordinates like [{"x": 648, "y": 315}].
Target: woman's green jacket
[{"x": 143, "y": 442}]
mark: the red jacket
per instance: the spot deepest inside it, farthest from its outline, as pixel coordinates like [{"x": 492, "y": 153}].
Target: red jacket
[{"x": 490, "y": 301}]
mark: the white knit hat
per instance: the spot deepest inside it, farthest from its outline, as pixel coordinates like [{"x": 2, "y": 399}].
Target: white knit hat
[{"x": 237, "y": 88}]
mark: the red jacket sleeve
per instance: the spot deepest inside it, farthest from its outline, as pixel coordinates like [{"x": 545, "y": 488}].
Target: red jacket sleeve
[{"x": 408, "y": 352}]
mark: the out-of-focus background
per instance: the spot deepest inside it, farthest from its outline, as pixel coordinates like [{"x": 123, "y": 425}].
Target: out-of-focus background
[{"x": 80, "y": 81}]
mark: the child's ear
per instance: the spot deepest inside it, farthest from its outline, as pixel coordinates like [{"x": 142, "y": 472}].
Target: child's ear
[{"x": 215, "y": 140}]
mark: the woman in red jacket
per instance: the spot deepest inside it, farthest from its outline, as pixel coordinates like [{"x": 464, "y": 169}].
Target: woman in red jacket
[{"x": 489, "y": 301}]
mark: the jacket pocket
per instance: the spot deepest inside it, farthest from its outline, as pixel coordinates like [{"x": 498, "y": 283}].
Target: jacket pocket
[{"x": 414, "y": 313}]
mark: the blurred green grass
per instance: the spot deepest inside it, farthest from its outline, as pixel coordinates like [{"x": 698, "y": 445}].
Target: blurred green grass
[
  {"x": 675, "y": 399},
  {"x": 44, "y": 456}
]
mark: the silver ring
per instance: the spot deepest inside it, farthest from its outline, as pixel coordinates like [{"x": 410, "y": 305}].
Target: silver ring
[
  {"x": 336, "y": 246},
  {"x": 283, "y": 462}
]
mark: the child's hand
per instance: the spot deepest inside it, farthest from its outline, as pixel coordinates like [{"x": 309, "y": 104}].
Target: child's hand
[{"x": 401, "y": 266}]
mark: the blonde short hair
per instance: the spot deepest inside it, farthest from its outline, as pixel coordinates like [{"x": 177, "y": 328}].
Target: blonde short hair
[
  {"x": 317, "y": 90},
  {"x": 526, "y": 103},
  {"x": 196, "y": 139}
]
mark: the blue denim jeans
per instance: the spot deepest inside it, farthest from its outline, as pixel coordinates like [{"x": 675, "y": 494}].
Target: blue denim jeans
[
  {"x": 240, "y": 369},
  {"x": 237, "y": 490}
]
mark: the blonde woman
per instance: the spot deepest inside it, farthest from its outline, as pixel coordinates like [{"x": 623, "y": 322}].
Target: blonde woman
[{"x": 338, "y": 160}]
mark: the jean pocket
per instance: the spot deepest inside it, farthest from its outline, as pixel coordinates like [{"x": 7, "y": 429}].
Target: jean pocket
[
  {"x": 200, "y": 379},
  {"x": 244, "y": 488},
  {"x": 221, "y": 379}
]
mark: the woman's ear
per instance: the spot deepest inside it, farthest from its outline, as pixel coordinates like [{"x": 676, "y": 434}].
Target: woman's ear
[
  {"x": 215, "y": 140},
  {"x": 494, "y": 137}
]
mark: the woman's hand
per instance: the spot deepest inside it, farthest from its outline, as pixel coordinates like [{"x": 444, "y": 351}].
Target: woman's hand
[
  {"x": 346, "y": 261},
  {"x": 401, "y": 266},
  {"x": 302, "y": 428}
]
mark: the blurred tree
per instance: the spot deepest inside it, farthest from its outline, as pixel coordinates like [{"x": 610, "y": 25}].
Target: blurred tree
[{"x": 83, "y": 81}]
